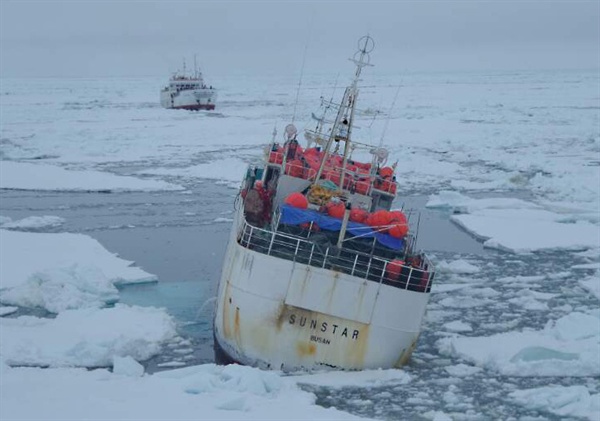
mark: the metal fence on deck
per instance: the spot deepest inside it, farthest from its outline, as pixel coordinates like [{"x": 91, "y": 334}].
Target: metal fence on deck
[{"x": 351, "y": 262}]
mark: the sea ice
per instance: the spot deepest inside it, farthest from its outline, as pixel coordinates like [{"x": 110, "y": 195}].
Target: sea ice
[
  {"x": 457, "y": 266},
  {"x": 33, "y": 222},
  {"x": 592, "y": 284},
  {"x": 462, "y": 370},
  {"x": 228, "y": 169},
  {"x": 61, "y": 271},
  {"x": 364, "y": 378},
  {"x": 86, "y": 337},
  {"x": 127, "y": 366},
  {"x": 568, "y": 346},
  {"x": 565, "y": 401},
  {"x": 5, "y": 311},
  {"x": 460, "y": 203},
  {"x": 521, "y": 231},
  {"x": 458, "y": 326},
  {"x": 200, "y": 392},
  {"x": 516, "y": 225},
  {"x": 26, "y": 176}
]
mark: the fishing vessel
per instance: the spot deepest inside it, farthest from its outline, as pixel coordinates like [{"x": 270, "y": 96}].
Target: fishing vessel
[
  {"x": 319, "y": 271},
  {"x": 188, "y": 92}
]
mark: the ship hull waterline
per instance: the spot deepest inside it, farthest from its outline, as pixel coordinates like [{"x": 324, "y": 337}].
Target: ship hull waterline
[
  {"x": 193, "y": 99},
  {"x": 273, "y": 313}
]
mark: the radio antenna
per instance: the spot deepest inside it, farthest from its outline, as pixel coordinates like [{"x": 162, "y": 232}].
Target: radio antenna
[
  {"x": 301, "y": 72},
  {"x": 387, "y": 121}
]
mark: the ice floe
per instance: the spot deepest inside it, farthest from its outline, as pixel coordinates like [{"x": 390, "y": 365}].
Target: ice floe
[
  {"x": 32, "y": 222},
  {"x": 228, "y": 170},
  {"x": 364, "y": 378},
  {"x": 207, "y": 392},
  {"x": 86, "y": 337},
  {"x": 517, "y": 226},
  {"x": 592, "y": 284},
  {"x": 127, "y": 366},
  {"x": 565, "y": 401},
  {"x": 6, "y": 310},
  {"x": 458, "y": 326},
  {"x": 27, "y": 176},
  {"x": 568, "y": 346},
  {"x": 457, "y": 266},
  {"x": 462, "y": 370},
  {"x": 61, "y": 271}
]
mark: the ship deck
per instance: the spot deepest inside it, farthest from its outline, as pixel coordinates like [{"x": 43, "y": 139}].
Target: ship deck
[{"x": 317, "y": 251}]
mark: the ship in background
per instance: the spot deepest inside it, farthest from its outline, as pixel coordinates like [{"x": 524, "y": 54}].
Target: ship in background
[
  {"x": 319, "y": 271},
  {"x": 188, "y": 92}
]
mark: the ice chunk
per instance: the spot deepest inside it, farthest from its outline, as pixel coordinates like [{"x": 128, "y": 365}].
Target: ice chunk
[
  {"x": 566, "y": 401},
  {"x": 458, "y": 266},
  {"x": 539, "y": 353},
  {"x": 464, "y": 204},
  {"x": 361, "y": 378},
  {"x": 528, "y": 230},
  {"x": 86, "y": 338},
  {"x": 567, "y": 347},
  {"x": 5, "y": 311},
  {"x": 34, "y": 222},
  {"x": 587, "y": 266},
  {"x": 592, "y": 284},
  {"x": 462, "y": 370},
  {"x": 458, "y": 326},
  {"x": 61, "y": 271},
  {"x": 516, "y": 225},
  {"x": 127, "y": 366}
]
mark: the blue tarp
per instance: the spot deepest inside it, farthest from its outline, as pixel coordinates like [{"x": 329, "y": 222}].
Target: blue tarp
[{"x": 294, "y": 216}]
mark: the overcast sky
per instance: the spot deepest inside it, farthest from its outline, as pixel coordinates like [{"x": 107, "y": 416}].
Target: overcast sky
[{"x": 142, "y": 38}]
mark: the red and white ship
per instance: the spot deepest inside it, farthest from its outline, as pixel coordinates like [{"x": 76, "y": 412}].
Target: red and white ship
[
  {"x": 188, "y": 92},
  {"x": 319, "y": 271}
]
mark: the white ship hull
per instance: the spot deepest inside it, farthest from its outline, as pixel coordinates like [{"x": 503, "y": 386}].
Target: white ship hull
[
  {"x": 192, "y": 99},
  {"x": 279, "y": 314}
]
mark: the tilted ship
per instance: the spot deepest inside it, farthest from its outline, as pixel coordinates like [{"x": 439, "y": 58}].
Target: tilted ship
[{"x": 318, "y": 272}]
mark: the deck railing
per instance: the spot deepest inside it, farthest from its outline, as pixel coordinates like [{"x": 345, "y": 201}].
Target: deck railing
[{"x": 351, "y": 262}]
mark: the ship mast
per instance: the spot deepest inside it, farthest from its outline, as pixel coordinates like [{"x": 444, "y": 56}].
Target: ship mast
[{"x": 342, "y": 126}]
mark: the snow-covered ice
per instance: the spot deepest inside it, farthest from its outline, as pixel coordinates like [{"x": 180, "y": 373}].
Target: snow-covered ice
[
  {"x": 200, "y": 392},
  {"x": 61, "y": 271},
  {"x": 569, "y": 346},
  {"x": 366, "y": 378},
  {"x": 6, "y": 310},
  {"x": 526, "y": 144},
  {"x": 86, "y": 337},
  {"x": 592, "y": 284},
  {"x": 518, "y": 226},
  {"x": 457, "y": 266},
  {"x": 565, "y": 401},
  {"x": 227, "y": 169},
  {"x": 458, "y": 326},
  {"x": 127, "y": 366},
  {"x": 27, "y": 176},
  {"x": 32, "y": 222}
]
